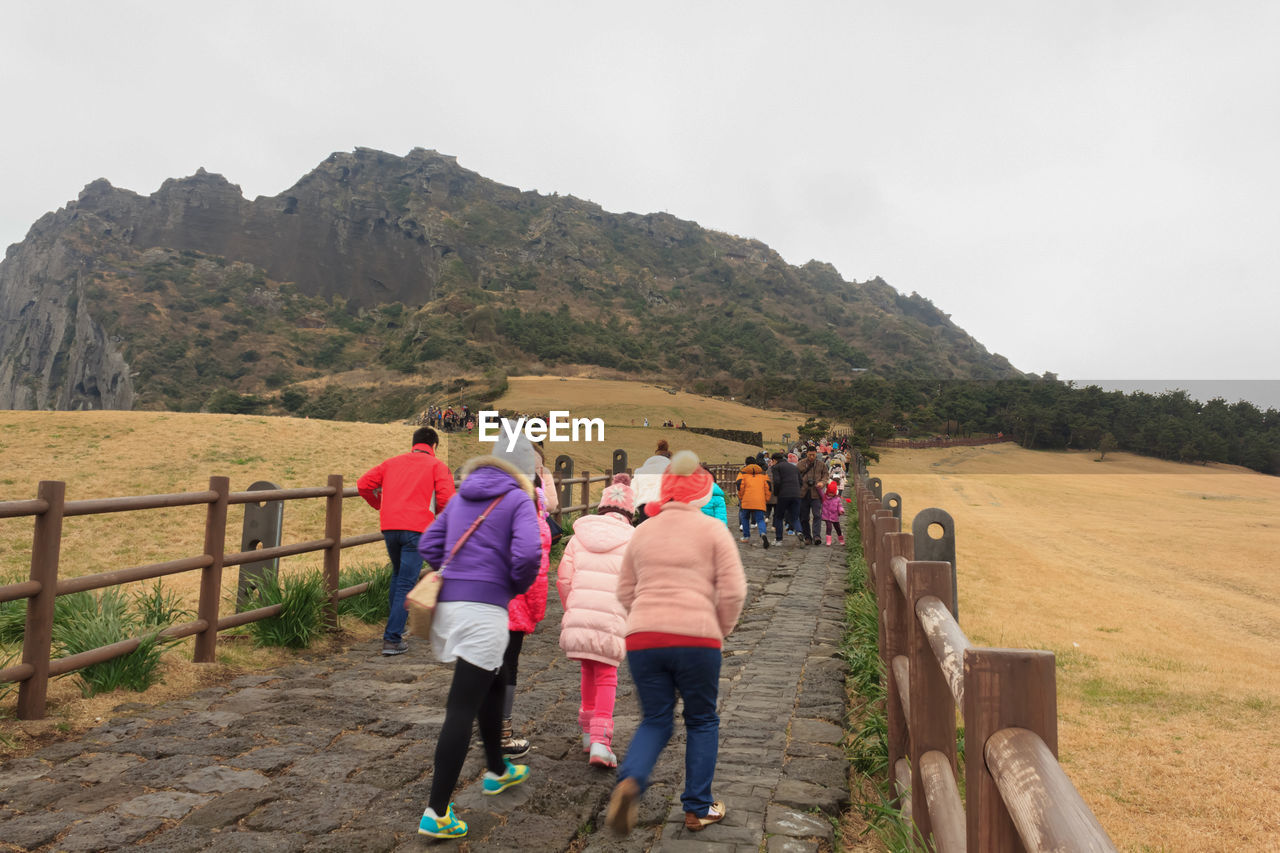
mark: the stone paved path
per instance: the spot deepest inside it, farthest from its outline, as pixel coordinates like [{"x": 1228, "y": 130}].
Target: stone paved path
[{"x": 335, "y": 754}]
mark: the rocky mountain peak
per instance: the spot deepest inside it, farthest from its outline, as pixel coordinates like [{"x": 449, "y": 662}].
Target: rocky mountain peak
[{"x": 468, "y": 268}]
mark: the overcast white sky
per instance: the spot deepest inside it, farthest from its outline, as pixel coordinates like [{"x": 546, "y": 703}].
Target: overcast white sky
[{"x": 1089, "y": 188}]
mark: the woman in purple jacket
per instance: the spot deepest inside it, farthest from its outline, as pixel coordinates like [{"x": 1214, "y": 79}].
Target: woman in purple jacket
[{"x": 498, "y": 561}]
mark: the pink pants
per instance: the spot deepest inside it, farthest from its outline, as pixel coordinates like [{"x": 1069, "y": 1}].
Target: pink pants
[{"x": 599, "y": 690}]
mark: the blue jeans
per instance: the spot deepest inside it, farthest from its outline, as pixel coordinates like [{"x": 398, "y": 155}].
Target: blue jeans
[
  {"x": 786, "y": 513},
  {"x": 659, "y": 674},
  {"x": 745, "y": 517},
  {"x": 406, "y": 566},
  {"x": 811, "y": 518}
]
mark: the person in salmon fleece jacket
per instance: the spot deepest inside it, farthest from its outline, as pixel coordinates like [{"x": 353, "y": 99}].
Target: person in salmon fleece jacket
[
  {"x": 593, "y": 627},
  {"x": 683, "y": 587}
]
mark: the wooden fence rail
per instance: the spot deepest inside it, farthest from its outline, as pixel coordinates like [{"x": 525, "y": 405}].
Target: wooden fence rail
[
  {"x": 44, "y": 585},
  {"x": 1017, "y": 795}
]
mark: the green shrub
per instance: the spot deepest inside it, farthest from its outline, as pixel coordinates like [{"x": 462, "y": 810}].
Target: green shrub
[
  {"x": 83, "y": 621},
  {"x": 557, "y": 550},
  {"x": 374, "y": 604},
  {"x": 13, "y": 621},
  {"x": 159, "y": 608},
  {"x": 13, "y": 614},
  {"x": 301, "y": 619},
  {"x": 869, "y": 751},
  {"x": 8, "y": 657}
]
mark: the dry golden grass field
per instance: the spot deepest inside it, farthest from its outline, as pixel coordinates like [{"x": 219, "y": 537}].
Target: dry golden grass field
[
  {"x": 1157, "y": 585},
  {"x": 110, "y": 454}
]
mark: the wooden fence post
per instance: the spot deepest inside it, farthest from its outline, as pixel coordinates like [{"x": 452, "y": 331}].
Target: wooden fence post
[
  {"x": 1003, "y": 688},
  {"x": 586, "y": 492},
  {"x": 941, "y": 549},
  {"x": 37, "y": 641},
  {"x": 933, "y": 707},
  {"x": 892, "y": 607},
  {"x": 866, "y": 507},
  {"x": 866, "y": 518},
  {"x": 215, "y": 536},
  {"x": 332, "y": 554},
  {"x": 864, "y": 527},
  {"x": 874, "y": 550},
  {"x": 563, "y": 471}
]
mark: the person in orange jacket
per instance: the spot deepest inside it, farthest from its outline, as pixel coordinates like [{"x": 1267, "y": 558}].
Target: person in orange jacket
[
  {"x": 753, "y": 498},
  {"x": 402, "y": 489}
]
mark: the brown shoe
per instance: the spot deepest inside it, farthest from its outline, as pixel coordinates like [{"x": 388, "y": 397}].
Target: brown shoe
[
  {"x": 715, "y": 814},
  {"x": 624, "y": 807}
]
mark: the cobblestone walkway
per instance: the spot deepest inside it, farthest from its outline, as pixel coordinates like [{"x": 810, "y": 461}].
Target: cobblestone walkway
[{"x": 335, "y": 754}]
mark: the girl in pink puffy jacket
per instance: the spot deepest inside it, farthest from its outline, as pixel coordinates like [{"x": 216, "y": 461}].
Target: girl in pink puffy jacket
[
  {"x": 593, "y": 629},
  {"x": 832, "y": 509}
]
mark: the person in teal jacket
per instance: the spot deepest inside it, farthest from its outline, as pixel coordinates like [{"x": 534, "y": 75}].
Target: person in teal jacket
[{"x": 715, "y": 506}]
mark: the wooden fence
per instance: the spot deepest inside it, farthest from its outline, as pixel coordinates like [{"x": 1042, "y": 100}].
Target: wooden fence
[
  {"x": 726, "y": 476},
  {"x": 50, "y": 507},
  {"x": 1017, "y": 796}
]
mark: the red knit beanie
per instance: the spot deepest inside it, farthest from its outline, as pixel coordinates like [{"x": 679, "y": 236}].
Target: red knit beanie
[
  {"x": 832, "y": 488},
  {"x": 685, "y": 480}
]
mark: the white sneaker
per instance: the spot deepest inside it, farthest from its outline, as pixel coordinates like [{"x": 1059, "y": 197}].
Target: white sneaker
[
  {"x": 586, "y": 742},
  {"x": 602, "y": 756}
]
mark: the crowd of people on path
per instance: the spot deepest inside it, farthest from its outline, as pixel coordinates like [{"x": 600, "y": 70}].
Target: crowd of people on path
[
  {"x": 449, "y": 418},
  {"x": 802, "y": 489},
  {"x": 662, "y": 594}
]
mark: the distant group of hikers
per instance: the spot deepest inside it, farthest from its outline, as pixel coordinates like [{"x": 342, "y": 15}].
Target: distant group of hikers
[
  {"x": 449, "y": 418},
  {"x": 654, "y": 576},
  {"x": 802, "y": 488}
]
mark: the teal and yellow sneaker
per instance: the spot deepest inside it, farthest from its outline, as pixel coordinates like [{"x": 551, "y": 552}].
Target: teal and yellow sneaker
[
  {"x": 514, "y": 775},
  {"x": 442, "y": 827}
]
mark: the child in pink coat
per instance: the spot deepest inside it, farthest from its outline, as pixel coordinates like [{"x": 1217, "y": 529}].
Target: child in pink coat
[
  {"x": 593, "y": 629},
  {"x": 832, "y": 509}
]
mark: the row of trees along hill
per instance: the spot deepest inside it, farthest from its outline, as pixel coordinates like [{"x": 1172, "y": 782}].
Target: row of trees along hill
[{"x": 1049, "y": 414}]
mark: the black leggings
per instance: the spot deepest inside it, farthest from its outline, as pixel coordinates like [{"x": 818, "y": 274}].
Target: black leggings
[
  {"x": 511, "y": 668},
  {"x": 475, "y": 694},
  {"x": 511, "y": 657}
]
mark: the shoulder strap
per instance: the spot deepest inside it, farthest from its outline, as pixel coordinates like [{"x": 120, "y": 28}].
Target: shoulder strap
[{"x": 472, "y": 529}]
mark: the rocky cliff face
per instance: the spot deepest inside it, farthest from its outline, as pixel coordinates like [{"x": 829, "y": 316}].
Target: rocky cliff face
[
  {"x": 341, "y": 231},
  {"x": 53, "y": 353}
]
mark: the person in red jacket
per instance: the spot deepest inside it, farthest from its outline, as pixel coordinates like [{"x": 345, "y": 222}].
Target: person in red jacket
[{"x": 402, "y": 490}]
